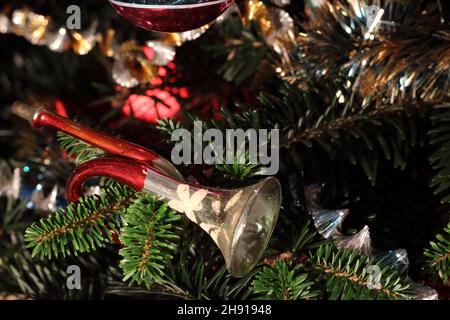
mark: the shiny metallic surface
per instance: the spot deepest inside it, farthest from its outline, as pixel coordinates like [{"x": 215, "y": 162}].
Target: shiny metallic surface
[{"x": 171, "y": 18}]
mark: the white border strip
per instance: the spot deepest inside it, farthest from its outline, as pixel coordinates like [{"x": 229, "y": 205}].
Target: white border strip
[{"x": 174, "y": 6}]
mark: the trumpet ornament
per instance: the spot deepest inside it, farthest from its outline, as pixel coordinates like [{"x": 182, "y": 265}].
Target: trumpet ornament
[{"x": 240, "y": 221}]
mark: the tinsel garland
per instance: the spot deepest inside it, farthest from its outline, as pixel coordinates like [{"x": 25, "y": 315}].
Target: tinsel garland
[
  {"x": 136, "y": 64},
  {"x": 133, "y": 63},
  {"x": 403, "y": 58}
]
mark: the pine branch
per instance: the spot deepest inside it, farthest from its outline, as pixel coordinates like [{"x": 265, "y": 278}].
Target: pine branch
[
  {"x": 330, "y": 129},
  {"x": 361, "y": 134},
  {"x": 82, "y": 227},
  {"x": 13, "y": 218},
  {"x": 242, "y": 47},
  {"x": 217, "y": 285},
  {"x": 304, "y": 236},
  {"x": 167, "y": 127},
  {"x": 347, "y": 276},
  {"x": 239, "y": 170},
  {"x": 22, "y": 275},
  {"x": 439, "y": 254},
  {"x": 44, "y": 279},
  {"x": 82, "y": 151},
  {"x": 282, "y": 281},
  {"x": 440, "y": 159},
  {"x": 149, "y": 240},
  {"x": 194, "y": 274},
  {"x": 331, "y": 121}
]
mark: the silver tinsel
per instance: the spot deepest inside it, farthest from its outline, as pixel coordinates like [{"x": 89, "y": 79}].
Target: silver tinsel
[
  {"x": 42, "y": 202},
  {"x": 10, "y": 186},
  {"x": 122, "y": 75},
  {"x": 164, "y": 53},
  {"x": 402, "y": 56}
]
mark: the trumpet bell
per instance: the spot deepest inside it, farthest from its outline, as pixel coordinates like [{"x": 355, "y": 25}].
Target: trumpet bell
[
  {"x": 250, "y": 228},
  {"x": 240, "y": 221}
]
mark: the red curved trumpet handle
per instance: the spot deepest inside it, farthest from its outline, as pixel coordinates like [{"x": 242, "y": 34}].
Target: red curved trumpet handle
[
  {"x": 40, "y": 117},
  {"x": 127, "y": 171}
]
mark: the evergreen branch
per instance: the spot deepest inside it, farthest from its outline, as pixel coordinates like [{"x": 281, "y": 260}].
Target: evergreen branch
[
  {"x": 439, "y": 251},
  {"x": 42, "y": 279},
  {"x": 239, "y": 169},
  {"x": 193, "y": 276},
  {"x": 347, "y": 276},
  {"x": 440, "y": 137},
  {"x": 439, "y": 254},
  {"x": 167, "y": 127},
  {"x": 344, "y": 129},
  {"x": 149, "y": 240},
  {"x": 13, "y": 218},
  {"x": 305, "y": 236},
  {"x": 82, "y": 227},
  {"x": 309, "y": 116},
  {"x": 45, "y": 279},
  {"x": 81, "y": 150},
  {"x": 282, "y": 281},
  {"x": 347, "y": 123},
  {"x": 333, "y": 120},
  {"x": 242, "y": 48},
  {"x": 218, "y": 285}
]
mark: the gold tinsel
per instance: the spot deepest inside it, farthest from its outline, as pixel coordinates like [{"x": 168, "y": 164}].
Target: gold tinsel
[
  {"x": 106, "y": 43},
  {"x": 276, "y": 26},
  {"x": 30, "y": 25},
  {"x": 405, "y": 58},
  {"x": 131, "y": 67}
]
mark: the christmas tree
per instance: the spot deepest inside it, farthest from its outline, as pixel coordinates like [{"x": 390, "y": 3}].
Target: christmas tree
[{"x": 335, "y": 188}]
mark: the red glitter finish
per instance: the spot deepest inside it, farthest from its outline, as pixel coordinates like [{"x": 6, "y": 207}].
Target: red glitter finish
[
  {"x": 127, "y": 171},
  {"x": 100, "y": 140},
  {"x": 171, "y": 18}
]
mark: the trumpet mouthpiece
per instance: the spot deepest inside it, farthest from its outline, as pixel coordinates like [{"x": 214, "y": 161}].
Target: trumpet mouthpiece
[{"x": 25, "y": 111}]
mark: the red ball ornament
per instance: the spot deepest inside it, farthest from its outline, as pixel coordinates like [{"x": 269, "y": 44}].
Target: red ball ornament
[
  {"x": 149, "y": 109},
  {"x": 179, "y": 16}
]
